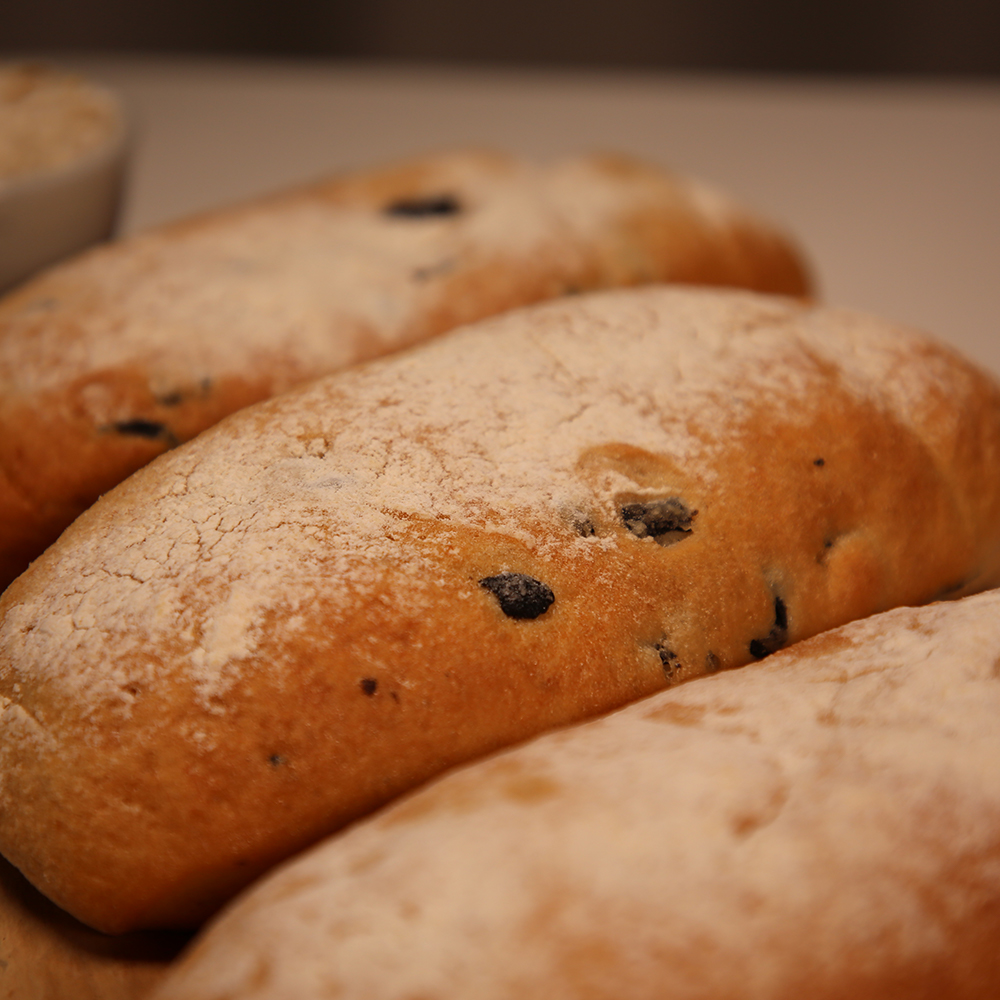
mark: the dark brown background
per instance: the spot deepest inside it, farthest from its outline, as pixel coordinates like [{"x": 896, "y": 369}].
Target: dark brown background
[{"x": 911, "y": 37}]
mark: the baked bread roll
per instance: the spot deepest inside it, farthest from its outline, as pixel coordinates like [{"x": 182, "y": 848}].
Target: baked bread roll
[
  {"x": 111, "y": 359},
  {"x": 825, "y": 824},
  {"x": 336, "y": 594},
  {"x": 47, "y": 955}
]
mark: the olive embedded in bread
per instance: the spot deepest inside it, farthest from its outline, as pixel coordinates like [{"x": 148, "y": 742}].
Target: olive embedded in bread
[
  {"x": 340, "y": 592},
  {"x": 519, "y": 595}
]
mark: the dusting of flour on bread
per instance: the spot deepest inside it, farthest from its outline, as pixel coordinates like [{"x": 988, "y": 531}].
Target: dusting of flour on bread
[{"x": 278, "y": 266}]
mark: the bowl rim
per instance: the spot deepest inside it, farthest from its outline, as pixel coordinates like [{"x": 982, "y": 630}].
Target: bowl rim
[{"x": 106, "y": 153}]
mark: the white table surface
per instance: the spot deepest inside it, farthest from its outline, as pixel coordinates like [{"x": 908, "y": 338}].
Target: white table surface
[{"x": 892, "y": 188}]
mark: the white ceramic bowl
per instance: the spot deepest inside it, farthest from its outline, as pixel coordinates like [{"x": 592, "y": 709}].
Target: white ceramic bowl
[{"x": 64, "y": 202}]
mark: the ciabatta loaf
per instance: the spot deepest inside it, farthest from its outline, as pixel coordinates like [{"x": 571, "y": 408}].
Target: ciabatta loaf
[
  {"x": 109, "y": 360},
  {"x": 336, "y": 594},
  {"x": 823, "y": 825}
]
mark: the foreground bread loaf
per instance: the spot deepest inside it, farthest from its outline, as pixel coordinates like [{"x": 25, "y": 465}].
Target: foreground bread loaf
[
  {"x": 113, "y": 358},
  {"x": 336, "y": 594},
  {"x": 823, "y": 825}
]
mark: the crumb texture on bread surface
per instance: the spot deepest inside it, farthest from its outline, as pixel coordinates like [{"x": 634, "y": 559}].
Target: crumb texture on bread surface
[
  {"x": 340, "y": 592},
  {"x": 824, "y": 824},
  {"x": 116, "y": 356}
]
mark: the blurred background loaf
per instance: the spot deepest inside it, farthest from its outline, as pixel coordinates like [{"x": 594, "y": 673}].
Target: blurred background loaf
[{"x": 118, "y": 355}]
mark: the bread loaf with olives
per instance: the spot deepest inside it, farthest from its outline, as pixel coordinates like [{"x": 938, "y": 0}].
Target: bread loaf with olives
[
  {"x": 337, "y": 593},
  {"x": 823, "y": 824},
  {"x": 113, "y": 358}
]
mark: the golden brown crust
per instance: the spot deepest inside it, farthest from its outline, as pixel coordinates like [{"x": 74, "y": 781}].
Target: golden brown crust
[
  {"x": 824, "y": 824},
  {"x": 112, "y": 359},
  {"x": 290, "y": 620}
]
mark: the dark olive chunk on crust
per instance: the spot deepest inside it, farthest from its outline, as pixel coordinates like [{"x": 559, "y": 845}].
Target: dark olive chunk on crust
[
  {"x": 671, "y": 662},
  {"x": 778, "y": 635},
  {"x": 369, "y": 685},
  {"x": 520, "y": 595},
  {"x": 657, "y": 517},
  {"x": 429, "y": 206},
  {"x": 141, "y": 428}
]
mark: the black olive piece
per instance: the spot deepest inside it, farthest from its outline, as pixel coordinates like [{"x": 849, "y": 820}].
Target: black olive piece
[
  {"x": 777, "y": 637},
  {"x": 819, "y": 461},
  {"x": 369, "y": 685},
  {"x": 657, "y": 517},
  {"x": 141, "y": 428},
  {"x": 520, "y": 595},
  {"x": 671, "y": 662},
  {"x": 428, "y": 206},
  {"x": 276, "y": 760}
]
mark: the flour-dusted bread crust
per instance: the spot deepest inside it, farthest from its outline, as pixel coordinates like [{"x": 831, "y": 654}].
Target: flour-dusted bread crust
[
  {"x": 336, "y": 594},
  {"x": 47, "y": 955},
  {"x": 825, "y": 824},
  {"x": 111, "y": 359}
]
